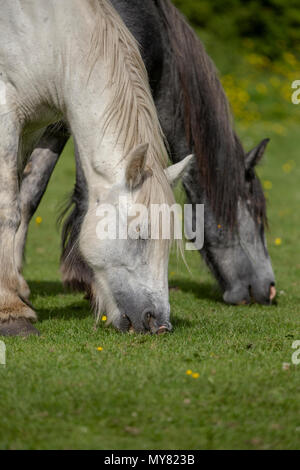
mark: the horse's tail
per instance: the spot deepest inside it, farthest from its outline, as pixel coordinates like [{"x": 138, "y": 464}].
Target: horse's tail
[
  {"x": 76, "y": 274},
  {"x": 207, "y": 117}
]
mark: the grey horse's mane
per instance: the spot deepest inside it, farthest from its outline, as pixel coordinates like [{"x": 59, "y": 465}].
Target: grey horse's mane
[{"x": 208, "y": 123}]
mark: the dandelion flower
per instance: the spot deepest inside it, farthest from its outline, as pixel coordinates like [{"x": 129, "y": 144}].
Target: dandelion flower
[
  {"x": 38, "y": 220},
  {"x": 287, "y": 168},
  {"x": 278, "y": 128},
  {"x": 100, "y": 348},
  {"x": 196, "y": 375},
  {"x": 261, "y": 88},
  {"x": 278, "y": 241},
  {"x": 104, "y": 318},
  {"x": 275, "y": 82},
  {"x": 189, "y": 372},
  {"x": 268, "y": 185}
]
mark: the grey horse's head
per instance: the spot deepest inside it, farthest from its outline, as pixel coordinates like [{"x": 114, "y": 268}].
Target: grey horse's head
[{"x": 239, "y": 259}]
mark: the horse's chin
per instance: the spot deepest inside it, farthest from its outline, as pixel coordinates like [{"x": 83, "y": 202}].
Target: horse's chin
[
  {"x": 162, "y": 330},
  {"x": 237, "y": 296},
  {"x": 147, "y": 323},
  {"x": 263, "y": 293}
]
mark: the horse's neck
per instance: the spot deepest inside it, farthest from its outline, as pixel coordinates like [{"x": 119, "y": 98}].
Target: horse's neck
[
  {"x": 159, "y": 60},
  {"x": 55, "y": 70},
  {"x": 87, "y": 94},
  {"x": 171, "y": 109},
  {"x": 148, "y": 29},
  {"x": 101, "y": 153}
]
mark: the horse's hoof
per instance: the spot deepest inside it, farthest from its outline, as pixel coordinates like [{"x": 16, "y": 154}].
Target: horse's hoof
[{"x": 18, "y": 327}]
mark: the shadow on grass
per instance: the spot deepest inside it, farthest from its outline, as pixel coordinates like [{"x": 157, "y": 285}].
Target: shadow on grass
[
  {"x": 71, "y": 312},
  {"x": 46, "y": 288},
  {"x": 81, "y": 308},
  {"x": 178, "y": 322},
  {"x": 51, "y": 289},
  {"x": 207, "y": 291}
]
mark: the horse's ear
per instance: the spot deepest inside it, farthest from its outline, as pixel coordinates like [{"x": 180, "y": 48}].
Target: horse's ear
[
  {"x": 254, "y": 156},
  {"x": 175, "y": 172},
  {"x": 136, "y": 165}
]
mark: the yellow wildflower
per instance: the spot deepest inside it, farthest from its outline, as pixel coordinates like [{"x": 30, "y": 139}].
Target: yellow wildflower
[
  {"x": 268, "y": 185},
  {"x": 261, "y": 88},
  {"x": 38, "y": 220},
  {"x": 287, "y": 167},
  {"x": 275, "y": 82}
]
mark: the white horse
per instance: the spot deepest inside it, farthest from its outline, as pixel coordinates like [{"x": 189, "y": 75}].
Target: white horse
[{"x": 75, "y": 60}]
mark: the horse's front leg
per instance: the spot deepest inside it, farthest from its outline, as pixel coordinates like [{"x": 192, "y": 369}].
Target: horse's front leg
[
  {"x": 35, "y": 180},
  {"x": 15, "y": 315}
]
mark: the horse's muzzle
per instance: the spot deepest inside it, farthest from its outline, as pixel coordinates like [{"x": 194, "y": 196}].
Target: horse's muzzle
[
  {"x": 155, "y": 323},
  {"x": 258, "y": 292},
  {"x": 150, "y": 323}
]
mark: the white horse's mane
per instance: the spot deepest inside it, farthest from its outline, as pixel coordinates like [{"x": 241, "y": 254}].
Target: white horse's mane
[{"x": 132, "y": 111}]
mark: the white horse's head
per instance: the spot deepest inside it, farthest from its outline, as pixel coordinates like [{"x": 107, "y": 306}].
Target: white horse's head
[{"x": 130, "y": 268}]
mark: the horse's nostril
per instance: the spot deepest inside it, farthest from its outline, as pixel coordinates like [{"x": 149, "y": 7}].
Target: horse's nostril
[
  {"x": 148, "y": 320},
  {"x": 125, "y": 324},
  {"x": 251, "y": 294},
  {"x": 272, "y": 291},
  {"x": 162, "y": 330},
  {"x": 156, "y": 323}
]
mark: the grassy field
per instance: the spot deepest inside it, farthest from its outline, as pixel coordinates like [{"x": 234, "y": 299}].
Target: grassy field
[{"x": 59, "y": 391}]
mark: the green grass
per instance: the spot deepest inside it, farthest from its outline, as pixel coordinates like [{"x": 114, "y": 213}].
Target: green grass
[{"x": 58, "y": 391}]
